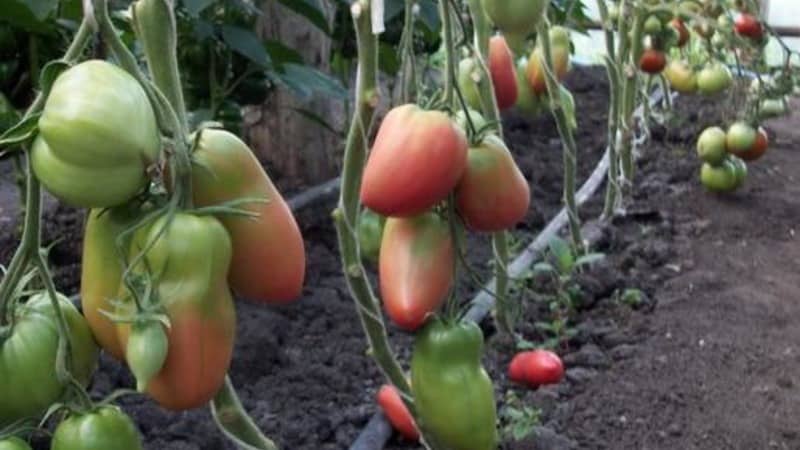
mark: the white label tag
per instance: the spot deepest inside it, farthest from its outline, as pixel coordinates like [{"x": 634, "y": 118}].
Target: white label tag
[{"x": 376, "y": 8}]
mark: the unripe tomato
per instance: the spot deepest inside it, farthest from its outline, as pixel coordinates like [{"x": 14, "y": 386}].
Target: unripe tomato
[
  {"x": 504, "y": 77},
  {"x": 720, "y": 178},
  {"x": 772, "y": 107},
  {"x": 518, "y": 17},
  {"x": 397, "y": 413},
  {"x": 469, "y": 75},
  {"x": 714, "y": 79},
  {"x": 681, "y": 77},
  {"x": 759, "y": 146},
  {"x": 415, "y": 268},
  {"x": 748, "y": 25},
  {"x": 711, "y": 145},
  {"x": 528, "y": 102},
  {"x": 416, "y": 160},
  {"x": 536, "y": 368},
  {"x": 14, "y": 443},
  {"x": 493, "y": 194},
  {"x": 740, "y": 137},
  {"x": 28, "y": 357},
  {"x": 269, "y": 259},
  {"x": 535, "y": 69},
  {"x": 370, "y": 234},
  {"x": 477, "y": 119},
  {"x": 681, "y": 30},
  {"x": 653, "y": 25},
  {"x": 102, "y": 429},
  {"x": 189, "y": 260},
  {"x": 739, "y": 170},
  {"x": 652, "y": 61},
  {"x": 146, "y": 351},
  {"x": 97, "y": 136}
]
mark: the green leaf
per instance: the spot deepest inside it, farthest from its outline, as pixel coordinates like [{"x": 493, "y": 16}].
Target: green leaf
[
  {"x": 41, "y": 9},
  {"x": 304, "y": 80},
  {"x": 21, "y": 132},
  {"x": 247, "y": 44},
  {"x": 195, "y": 7},
  {"x": 50, "y": 72},
  {"x": 392, "y": 9},
  {"x": 311, "y": 10},
  {"x": 568, "y": 105},
  {"x": 589, "y": 258},
  {"x": 236, "y": 425},
  {"x": 282, "y": 54},
  {"x": 313, "y": 117},
  {"x": 30, "y": 15},
  {"x": 429, "y": 14},
  {"x": 388, "y": 59},
  {"x": 562, "y": 254}
]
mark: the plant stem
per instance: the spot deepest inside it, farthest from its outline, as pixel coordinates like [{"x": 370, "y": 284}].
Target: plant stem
[
  {"x": 29, "y": 244},
  {"x": 612, "y": 70},
  {"x": 408, "y": 70},
  {"x": 567, "y": 138},
  {"x": 449, "y": 52},
  {"x": 346, "y": 215},
  {"x": 629, "y": 56}
]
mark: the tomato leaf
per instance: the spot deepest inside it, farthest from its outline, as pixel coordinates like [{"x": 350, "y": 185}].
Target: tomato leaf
[
  {"x": 195, "y": 7},
  {"x": 311, "y": 10},
  {"x": 50, "y": 72},
  {"x": 562, "y": 253},
  {"x": 281, "y": 53},
  {"x": 236, "y": 425},
  {"x": 313, "y": 117},
  {"x": 23, "y": 131},
  {"x": 304, "y": 80},
  {"x": 589, "y": 258},
  {"x": 247, "y": 44}
]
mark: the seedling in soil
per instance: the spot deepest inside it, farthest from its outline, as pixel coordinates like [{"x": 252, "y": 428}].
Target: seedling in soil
[{"x": 517, "y": 419}]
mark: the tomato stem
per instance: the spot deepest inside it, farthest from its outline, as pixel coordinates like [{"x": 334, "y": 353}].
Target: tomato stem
[
  {"x": 449, "y": 52},
  {"x": 408, "y": 67},
  {"x": 613, "y": 73},
  {"x": 629, "y": 90}
]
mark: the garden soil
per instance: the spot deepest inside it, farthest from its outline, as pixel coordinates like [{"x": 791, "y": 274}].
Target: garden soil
[{"x": 707, "y": 358}]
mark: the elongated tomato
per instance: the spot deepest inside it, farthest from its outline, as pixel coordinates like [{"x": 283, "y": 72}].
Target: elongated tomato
[
  {"x": 269, "y": 260},
  {"x": 416, "y": 160},
  {"x": 492, "y": 195},
  {"x": 395, "y": 410},
  {"x": 501, "y": 67},
  {"x": 415, "y": 268}
]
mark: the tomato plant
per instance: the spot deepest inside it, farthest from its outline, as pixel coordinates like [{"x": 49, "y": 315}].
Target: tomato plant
[
  {"x": 102, "y": 429},
  {"x": 396, "y": 411}
]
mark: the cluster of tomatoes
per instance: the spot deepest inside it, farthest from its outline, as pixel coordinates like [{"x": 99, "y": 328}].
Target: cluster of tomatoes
[
  {"x": 157, "y": 278},
  {"x": 724, "y": 154}
]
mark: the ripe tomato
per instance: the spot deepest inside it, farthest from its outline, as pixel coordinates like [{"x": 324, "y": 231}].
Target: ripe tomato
[
  {"x": 711, "y": 145},
  {"x": 14, "y": 443},
  {"x": 415, "y": 268},
  {"x": 681, "y": 77},
  {"x": 740, "y": 138},
  {"x": 681, "y": 30},
  {"x": 395, "y": 410},
  {"x": 493, "y": 194},
  {"x": 536, "y": 368},
  {"x": 535, "y": 69},
  {"x": 759, "y": 146},
  {"x": 101, "y": 272},
  {"x": 102, "y": 429},
  {"x": 721, "y": 178},
  {"x": 269, "y": 259},
  {"x": 97, "y": 129},
  {"x": 469, "y": 75},
  {"x": 416, "y": 160},
  {"x": 28, "y": 357},
  {"x": 652, "y": 61},
  {"x": 504, "y": 77},
  {"x": 518, "y": 17},
  {"x": 189, "y": 264},
  {"x": 748, "y": 25},
  {"x": 714, "y": 79}
]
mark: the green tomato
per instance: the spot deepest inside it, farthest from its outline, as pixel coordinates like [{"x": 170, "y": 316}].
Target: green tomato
[
  {"x": 773, "y": 107},
  {"x": 559, "y": 37},
  {"x": 528, "y": 102},
  {"x": 714, "y": 79},
  {"x": 711, "y": 145},
  {"x": 653, "y": 25},
  {"x": 517, "y": 17},
  {"x": 452, "y": 392},
  {"x": 370, "y": 234},
  {"x": 97, "y": 137},
  {"x": 681, "y": 77},
  {"x": 720, "y": 178},
  {"x": 14, "y": 443},
  {"x": 102, "y": 429},
  {"x": 27, "y": 357},
  {"x": 468, "y": 78},
  {"x": 146, "y": 351},
  {"x": 739, "y": 169},
  {"x": 477, "y": 119},
  {"x": 740, "y": 137}
]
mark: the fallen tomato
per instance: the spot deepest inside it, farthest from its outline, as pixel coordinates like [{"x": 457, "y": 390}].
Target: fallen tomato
[
  {"x": 536, "y": 368},
  {"x": 493, "y": 194},
  {"x": 416, "y": 160},
  {"x": 397, "y": 413},
  {"x": 415, "y": 268}
]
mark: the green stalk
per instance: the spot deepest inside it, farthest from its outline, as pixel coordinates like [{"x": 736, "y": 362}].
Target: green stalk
[
  {"x": 450, "y": 52},
  {"x": 29, "y": 244},
  {"x": 504, "y": 315},
  {"x": 408, "y": 69},
  {"x": 612, "y": 70},
  {"x": 346, "y": 215},
  {"x": 567, "y": 138},
  {"x": 629, "y": 90}
]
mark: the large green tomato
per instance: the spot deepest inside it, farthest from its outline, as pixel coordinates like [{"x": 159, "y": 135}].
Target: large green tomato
[
  {"x": 14, "y": 443},
  {"x": 714, "y": 79},
  {"x": 452, "y": 392},
  {"x": 720, "y": 178},
  {"x": 681, "y": 77},
  {"x": 515, "y": 17},
  {"x": 27, "y": 357},
  {"x": 741, "y": 137},
  {"x": 103, "y": 429},
  {"x": 97, "y": 136},
  {"x": 711, "y": 145}
]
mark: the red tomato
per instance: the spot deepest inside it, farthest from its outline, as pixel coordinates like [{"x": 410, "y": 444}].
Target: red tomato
[
  {"x": 415, "y": 268},
  {"x": 416, "y": 160},
  {"x": 759, "y": 147},
  {"x": 748, "y": 25},
  {"x": 652, "y": 61},
  {"x": 501, "y": 67},
  {"x": 395, "y": 410},
  {"x": 536, "y": 368},
  {"x": 492, "y": 195},
  {"x": 680, "y": 28},
  {"x": 535, "y": 70}
]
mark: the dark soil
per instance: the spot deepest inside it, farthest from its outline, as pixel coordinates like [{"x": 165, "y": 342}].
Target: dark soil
[{"x": 708, "y": 360}]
